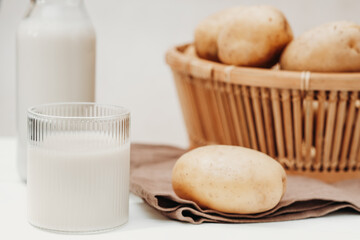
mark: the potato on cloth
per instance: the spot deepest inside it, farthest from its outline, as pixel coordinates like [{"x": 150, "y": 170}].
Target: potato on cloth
[{"x": 230, "y": 179}]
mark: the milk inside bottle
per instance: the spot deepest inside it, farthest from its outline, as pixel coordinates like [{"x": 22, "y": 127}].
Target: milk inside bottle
[{"x": 56, "y": 47}]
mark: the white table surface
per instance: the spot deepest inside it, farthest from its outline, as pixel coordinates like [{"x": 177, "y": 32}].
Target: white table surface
[{"x": 145, "y": 222}]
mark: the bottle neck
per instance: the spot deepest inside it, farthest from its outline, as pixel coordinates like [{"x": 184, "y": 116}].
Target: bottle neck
[
  {"x": 71, "y": 10},
  {"x": 60, "y": 2}
]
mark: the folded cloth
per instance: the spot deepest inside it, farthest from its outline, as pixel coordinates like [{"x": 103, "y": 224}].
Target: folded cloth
[{"x": 151, "y": 167}]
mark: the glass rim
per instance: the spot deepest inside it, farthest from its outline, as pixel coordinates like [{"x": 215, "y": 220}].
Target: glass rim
[{"x": 124, "y": 112}]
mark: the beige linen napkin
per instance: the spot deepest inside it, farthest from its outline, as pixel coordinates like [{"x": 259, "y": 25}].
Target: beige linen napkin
[{"x": 151, "y": 167}]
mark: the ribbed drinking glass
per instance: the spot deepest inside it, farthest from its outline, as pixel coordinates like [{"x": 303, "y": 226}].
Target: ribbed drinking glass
[{"x": 78, "y": 166}]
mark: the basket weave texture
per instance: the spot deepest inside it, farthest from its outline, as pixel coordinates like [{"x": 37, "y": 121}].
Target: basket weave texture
[{"x": 309, "y": 122}]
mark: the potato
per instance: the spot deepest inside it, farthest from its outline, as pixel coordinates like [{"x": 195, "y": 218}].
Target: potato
[
  {"x": 207, "y": 31},
  {"x": 333, "y": 47},
  {"x": 254, "y": 38},
  {"x": 229, "y": 179}
]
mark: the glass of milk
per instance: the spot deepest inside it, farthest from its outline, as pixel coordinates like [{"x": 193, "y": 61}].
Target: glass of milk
[{"x": 78, "y": 166}]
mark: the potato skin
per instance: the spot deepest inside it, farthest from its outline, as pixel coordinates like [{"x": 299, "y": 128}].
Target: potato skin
[
  {"x": 332, "y": 47},
  {"x": 207, "y": 31},
  {"x": 254, "y": 38},
  {"x": 229, "y": 179}
]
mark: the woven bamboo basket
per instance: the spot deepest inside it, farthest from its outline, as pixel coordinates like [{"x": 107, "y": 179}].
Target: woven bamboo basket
[{"x": 309, "y": 122}]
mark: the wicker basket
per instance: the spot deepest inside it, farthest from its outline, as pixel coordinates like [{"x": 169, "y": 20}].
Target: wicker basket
[{"x": 310, "y": 123}]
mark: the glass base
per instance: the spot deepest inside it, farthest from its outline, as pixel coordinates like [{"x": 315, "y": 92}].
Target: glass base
[{"x": 80, "y": 232}]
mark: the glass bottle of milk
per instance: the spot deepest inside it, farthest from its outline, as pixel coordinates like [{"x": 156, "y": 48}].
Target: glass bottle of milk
[{"x": 56, "y": 48}]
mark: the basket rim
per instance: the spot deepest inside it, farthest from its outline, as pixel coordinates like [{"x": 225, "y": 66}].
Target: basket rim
[{"x": 259, "y": 77}]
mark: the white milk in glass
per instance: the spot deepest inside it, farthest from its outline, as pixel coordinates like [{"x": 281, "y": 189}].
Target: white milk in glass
[
  {"x": 78, "y": 182},
  {"x": 55, "y": 61}
]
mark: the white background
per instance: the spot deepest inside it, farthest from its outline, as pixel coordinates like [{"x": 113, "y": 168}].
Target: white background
[{"x": 132, "y": 37}]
